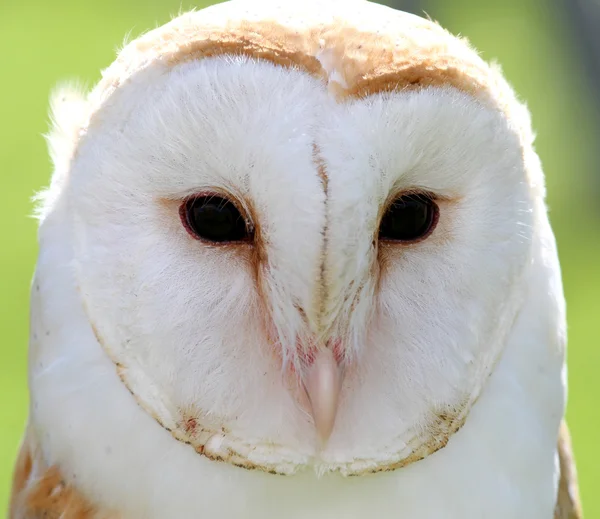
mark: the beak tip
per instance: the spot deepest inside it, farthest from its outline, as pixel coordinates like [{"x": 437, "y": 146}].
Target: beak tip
[
  {"x": 323, "y": 384},
  {"x": 323, "y": 435}
]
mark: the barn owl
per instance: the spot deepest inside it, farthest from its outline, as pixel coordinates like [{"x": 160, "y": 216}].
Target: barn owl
[{"x": 295, "y": 263}]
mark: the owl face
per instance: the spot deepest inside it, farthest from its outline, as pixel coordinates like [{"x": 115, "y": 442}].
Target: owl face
[{"x": 285, "y": 276}]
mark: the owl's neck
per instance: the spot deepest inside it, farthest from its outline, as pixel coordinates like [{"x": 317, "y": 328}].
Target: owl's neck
[{"x": 500, "y": 464}]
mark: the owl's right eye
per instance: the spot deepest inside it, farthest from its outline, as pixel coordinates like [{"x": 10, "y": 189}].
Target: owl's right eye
[
  {"x": 214, "y": 219},
  {"x": 410, "y": 218}
]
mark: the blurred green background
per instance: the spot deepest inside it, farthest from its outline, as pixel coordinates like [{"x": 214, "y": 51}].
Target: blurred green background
[{"x": 44, "y": 42}]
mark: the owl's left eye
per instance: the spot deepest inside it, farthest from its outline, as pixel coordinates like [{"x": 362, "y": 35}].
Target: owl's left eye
[{"x": 213, "y": 218}]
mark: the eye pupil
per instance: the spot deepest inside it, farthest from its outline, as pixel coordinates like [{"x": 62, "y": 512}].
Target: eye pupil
[
  {"x": 214, "y": 219},
  {"x": 409, "y": 218}
]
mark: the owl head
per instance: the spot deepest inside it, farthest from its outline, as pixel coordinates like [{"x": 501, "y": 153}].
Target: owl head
[{"x": 302, "y": 234}]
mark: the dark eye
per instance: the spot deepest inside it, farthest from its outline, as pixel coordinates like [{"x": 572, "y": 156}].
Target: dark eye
[
  {"x": 409, "y": 218},
  {"x": 213, "y": 218}
]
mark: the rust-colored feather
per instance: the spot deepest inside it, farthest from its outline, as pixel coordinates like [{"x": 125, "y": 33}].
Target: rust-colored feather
[
  {"x": 568, "y": 505},
  {"x": 40, "y": 491}
]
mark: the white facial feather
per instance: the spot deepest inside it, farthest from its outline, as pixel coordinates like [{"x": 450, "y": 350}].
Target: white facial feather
[{"x": 463, "y": 329}]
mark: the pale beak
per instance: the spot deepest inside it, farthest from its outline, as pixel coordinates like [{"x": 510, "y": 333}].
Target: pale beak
[{"x": 323, "y": 383}]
